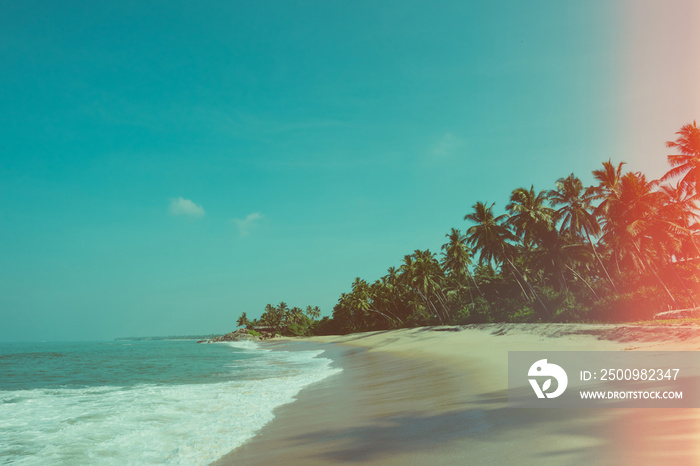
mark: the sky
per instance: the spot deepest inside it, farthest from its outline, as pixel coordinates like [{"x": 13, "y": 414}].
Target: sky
[{"x": 166, "y": 166}]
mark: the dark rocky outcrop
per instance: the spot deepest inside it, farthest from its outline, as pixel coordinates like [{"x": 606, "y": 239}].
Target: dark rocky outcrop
[{"x": 243, "y": 335}]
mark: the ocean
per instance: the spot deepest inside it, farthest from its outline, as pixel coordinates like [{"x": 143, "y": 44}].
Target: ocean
[{"x": 142, "y": 402}]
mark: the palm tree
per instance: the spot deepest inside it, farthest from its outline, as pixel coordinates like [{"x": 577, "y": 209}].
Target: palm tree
[
  {"x": 295, "y": 315},
  {"x": 528, "y": 214},
  {"x": 243, "y": 321},
  {"x": 635, "y": 228},
  {"x": 456, "y": 261},
  {"x": 490, "y": 237},
  {"x": 352, "y": 310},
  {"x": 456, "y": 258},
  {"x": 313, "y": 312},
  {"x": 687, "y": 163},
  {"x": 421, "y": 274},
  {"x": 678, "y": 211},
  {"x": 575, "y": 212},
  {"x": 607, "y": 190},
  {"x": 556, "y": 253},
  {"x": 397, "y": 294},
  {"x": 426, "y": 277},
  {"x": 608, "y": 185},
  {"x": 274, "y": 316},
  {"x": 575, "y": 202},
  {"x": 282, "y": 312},
  {"x": 384, "y": 301}
]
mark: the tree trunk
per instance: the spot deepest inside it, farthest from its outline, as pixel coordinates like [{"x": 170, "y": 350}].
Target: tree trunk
[
  {"x": 584, "y": 281},
  {"x": 642, "y": 259},
  {"x": 532, "y": 290},
  {"x": 429, "y": 305},
  {"x": 682, "y": 282},
  {"x": 471, "y": 297},
  {"x": 595, "y": 253}
]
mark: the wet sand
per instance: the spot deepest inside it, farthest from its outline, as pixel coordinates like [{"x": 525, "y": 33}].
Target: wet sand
[{"x": 439, "y": 396}]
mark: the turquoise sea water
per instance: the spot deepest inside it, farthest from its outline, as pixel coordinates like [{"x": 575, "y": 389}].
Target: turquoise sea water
[{"x": 147, "y": 402}]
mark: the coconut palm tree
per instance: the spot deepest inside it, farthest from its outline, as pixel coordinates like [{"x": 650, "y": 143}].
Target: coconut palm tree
[
  {"x": 313, "y": 312},
  {"x": 398, "y": 294},
  {"x": 575, "y": 213},
  {"x": 608, "y": 185},
  {"x": 678, "y": 212},
  {"x": 456, "y": 257},
  {"x": 680, "y": 205},
  {"x": 528, "y": 214},
  {"x": 576, "y": 206},
  {"x": 557, "y": 253},
  {"x": 635, "y": 228},
  {"x": 490, "y": 236},
  {"x": 274, "y": 317},
  {"x": 426, "y": 279},
  {"x": 384, "y": 302},
  {"x": 456, "y": 261},
  {"x": 686, "y": 164},
  {"x": 243, "y": 321},
  {"x": 295, "y": 315}
]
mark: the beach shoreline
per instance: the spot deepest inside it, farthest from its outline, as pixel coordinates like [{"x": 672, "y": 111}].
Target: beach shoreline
[{"x": 438, "y": 395}]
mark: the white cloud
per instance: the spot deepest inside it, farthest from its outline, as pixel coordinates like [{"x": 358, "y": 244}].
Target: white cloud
[
  {"x": 244, "y": 225},
  {"x": 445, "y": 146},
  {"x": 181, "y": 206}
]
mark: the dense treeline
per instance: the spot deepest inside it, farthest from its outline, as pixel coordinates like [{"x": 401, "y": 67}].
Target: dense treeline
[
  {"x": 282, "y": 319},
  {"x": 623, "y": 249}
]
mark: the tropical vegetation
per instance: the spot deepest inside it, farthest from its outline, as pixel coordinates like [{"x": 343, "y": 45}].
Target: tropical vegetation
[{"x": 624, "y": 248}]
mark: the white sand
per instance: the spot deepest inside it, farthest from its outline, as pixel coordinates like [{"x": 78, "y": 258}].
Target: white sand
[{"x": 439, "y": 396}]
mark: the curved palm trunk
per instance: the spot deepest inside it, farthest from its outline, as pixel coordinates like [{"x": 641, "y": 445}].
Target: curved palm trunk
[
  {"x": 395, "y": 320},
  {"x": 663, "y": 285},
  {"x": 443, "y": 303},
  {"x": 471, "y": 297},
  {"x": 430, "y": 305},
  {"x": 595, "y": 253},
  {"x": 486, "y": 301},
  {"x": 643, "y": 260},
  {"x": 476, "y": 284},
  {"x": 583, "y": 280},
  {"x": 516, "y": 274},
  {"x": 687, "y": 290},
  {"x": 532, "y": 290},
  {"x": 562, "y": 281}
]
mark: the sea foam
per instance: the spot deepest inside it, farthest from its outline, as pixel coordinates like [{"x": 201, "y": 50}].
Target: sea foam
[{"x": 149, "y": 423}]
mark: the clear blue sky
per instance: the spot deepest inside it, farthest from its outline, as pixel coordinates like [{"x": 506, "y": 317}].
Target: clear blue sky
[{"x": 165, "y": 166}]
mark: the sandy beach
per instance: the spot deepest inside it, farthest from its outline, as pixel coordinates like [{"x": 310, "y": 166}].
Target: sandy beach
[{"x": 439, "y": 396}]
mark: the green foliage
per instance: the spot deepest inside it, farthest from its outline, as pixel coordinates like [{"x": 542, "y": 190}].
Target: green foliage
[
  {"x": 640, "y": 304},
  {"x": 296, "y": 330},
  {"x": 285, "y": 321},
  {"x": 326, "y": 326},
  {"x": 525, "y": 314},
  {"x": 243, "y": 321},
  {"x": 623, "y": 249},
  {"x": 564, "y": 305},
  {"x": 462, "y": 317},
  {"x": 571, "y": 310}
]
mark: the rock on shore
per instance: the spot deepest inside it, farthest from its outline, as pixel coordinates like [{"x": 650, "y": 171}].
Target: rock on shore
[{"x": 240, "y": 335}]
